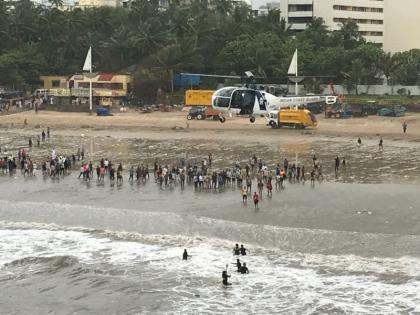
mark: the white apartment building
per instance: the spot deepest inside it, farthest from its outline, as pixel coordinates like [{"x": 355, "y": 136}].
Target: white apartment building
[
  {"x": 97, "y": 3},
  {"x": 368, "y": 14}
]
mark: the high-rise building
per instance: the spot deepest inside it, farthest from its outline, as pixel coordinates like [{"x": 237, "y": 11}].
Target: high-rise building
[{"x": 368, "y": 14}]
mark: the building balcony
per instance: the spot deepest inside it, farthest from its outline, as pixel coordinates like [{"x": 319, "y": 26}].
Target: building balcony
[
  {"x": 300, "y": 14},
  {"x": 307, "y": 2}
]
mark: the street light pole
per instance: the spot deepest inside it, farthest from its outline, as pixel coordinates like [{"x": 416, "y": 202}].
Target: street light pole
[{"x": 90, "y": 92}]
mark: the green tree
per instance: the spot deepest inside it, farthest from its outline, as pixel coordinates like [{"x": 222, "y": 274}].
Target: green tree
[
  {"x": 349, "y": 34},
  {"x": 56, "y": 3},
  {"x": 355, "y": 76},
  {"x": 388, "y": 65}
]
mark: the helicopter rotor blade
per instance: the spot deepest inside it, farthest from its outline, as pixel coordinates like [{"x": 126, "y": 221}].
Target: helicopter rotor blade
[{"x": 213, "y": 75}]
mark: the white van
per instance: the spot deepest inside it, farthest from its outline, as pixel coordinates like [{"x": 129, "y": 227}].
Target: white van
[{"x": 41, "y": 92}]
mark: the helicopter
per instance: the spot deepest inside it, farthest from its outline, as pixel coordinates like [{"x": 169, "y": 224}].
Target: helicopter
[{"x": 251, "y": 102}]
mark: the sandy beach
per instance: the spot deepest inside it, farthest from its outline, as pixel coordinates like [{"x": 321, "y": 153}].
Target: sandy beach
[{"x": 174, "y": 125}]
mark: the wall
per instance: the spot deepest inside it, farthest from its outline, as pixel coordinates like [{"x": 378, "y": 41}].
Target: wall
[{"x": 362, "y": 89}]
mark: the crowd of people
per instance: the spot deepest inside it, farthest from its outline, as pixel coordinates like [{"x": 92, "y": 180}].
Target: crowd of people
[{"x": 203, "y": 176}]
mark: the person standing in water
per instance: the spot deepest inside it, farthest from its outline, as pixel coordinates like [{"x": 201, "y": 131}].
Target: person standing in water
[
  {"x": 131, "y": 172},
  {"x": 244, "y": 193},
  {"x": 238, "y": 264},
  {"x": 225, "y": 277},
  {"x": 243, "y": 250},
  {"x": 244, "y": 269},
  {"x": 255, "y": 197},
  {"x": 337, "y": 164},
  {"x": 381, "y": 144},
  {"x": 236, "y": 250},
  {"x": 185, "y": 255}
]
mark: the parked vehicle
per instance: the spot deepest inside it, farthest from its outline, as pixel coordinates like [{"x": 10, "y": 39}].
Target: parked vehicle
[
  {"x": 359, "y": 110},
  {"x": 338, "y": 111},
  {"x": 295, "y": 118},
  {"x": 393, "y": 111},
  {"x": 201, "y": 112},
  {"x": 314, "y": 108}
]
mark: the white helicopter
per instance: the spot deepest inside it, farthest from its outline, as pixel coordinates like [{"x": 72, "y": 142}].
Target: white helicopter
[{"x": 249, "y": 102}]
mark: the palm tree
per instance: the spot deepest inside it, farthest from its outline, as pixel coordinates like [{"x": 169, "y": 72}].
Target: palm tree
[
  {"x": 349, "y": 34},
  {"x": 355, "y": 76},
  {"x": 387, "y": 64},
  {"x": 56, "y": 3}
]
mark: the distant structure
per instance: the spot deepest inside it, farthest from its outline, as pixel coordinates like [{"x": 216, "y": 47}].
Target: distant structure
[
  {"x": 387, "y": 23},
  {"x": 368, "y": 14},
  {"x": 98, "y": 3}
]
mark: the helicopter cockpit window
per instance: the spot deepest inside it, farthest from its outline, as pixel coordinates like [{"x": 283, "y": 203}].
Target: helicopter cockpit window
[
  {"x": 262, "y": 101},
  {"x": 221, "y": 102},
  {"x": 222, "y": 97},
  {"x": 225, "y": 92},
  {"x": 243, "y": 99}
]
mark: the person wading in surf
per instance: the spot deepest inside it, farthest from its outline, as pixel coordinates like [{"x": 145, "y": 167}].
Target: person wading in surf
[
  {"x": 238, "y": 264},
  {"x": 243, "y": 250},
  {"x": 244, "y": 269},
  {"x": 236, "y": 250},
  {"x": 185, "y": 255},
  {"x": 225, "y": 277}
]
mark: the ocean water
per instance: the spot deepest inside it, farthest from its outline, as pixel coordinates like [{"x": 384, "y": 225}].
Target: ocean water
[{"x": 118, "y": 251}]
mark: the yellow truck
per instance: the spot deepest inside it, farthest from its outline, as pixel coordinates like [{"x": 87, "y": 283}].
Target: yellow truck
[
  {"x": 295, "y": 118},
  {"x": 198, "y": 97}
]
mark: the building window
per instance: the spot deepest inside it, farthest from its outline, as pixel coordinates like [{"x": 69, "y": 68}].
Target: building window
[
  {"x": 300, "y": 20},
  {"x": 300, "y": 8},
  {"x": 55, "y": 83},
  {"x": 358, "y": 21},
  {"x": 357, "y": 9},
  {"x": 367, "y": 33}
]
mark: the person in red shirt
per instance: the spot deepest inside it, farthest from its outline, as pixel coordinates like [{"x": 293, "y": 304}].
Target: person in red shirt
[
  {"x": 269, "y": 187},
  {"x": 256, "y": 199}
]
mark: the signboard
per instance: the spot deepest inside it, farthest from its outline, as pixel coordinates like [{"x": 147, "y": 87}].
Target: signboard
[
  {"x": 98, "y": 92},
  {"x": 59, "y": 92}
]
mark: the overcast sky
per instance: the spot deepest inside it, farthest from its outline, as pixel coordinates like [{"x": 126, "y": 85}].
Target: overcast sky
[{"x": 257, "y": 3}]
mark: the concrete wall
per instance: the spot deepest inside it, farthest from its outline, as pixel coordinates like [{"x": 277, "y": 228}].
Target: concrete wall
[
  {"x": 362, "y": 89},
  {"x": 381, "y": 89}
]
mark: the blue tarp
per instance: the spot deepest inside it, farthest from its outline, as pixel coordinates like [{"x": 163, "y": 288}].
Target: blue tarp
[
  {"x": 181, "y": 80},
  {"x": 103, "y": 111}
]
